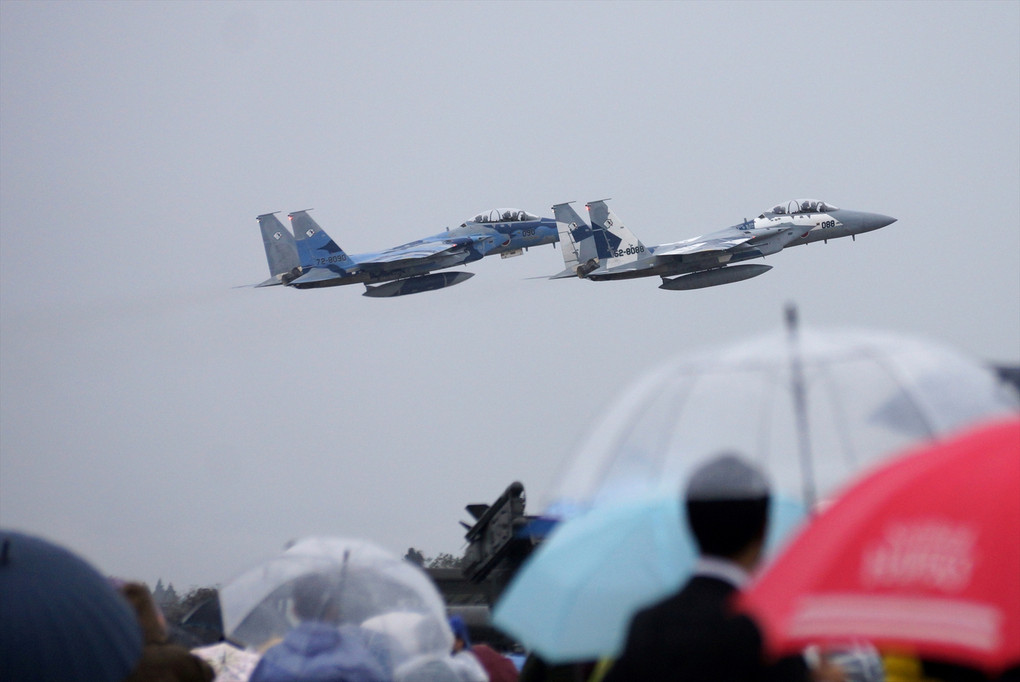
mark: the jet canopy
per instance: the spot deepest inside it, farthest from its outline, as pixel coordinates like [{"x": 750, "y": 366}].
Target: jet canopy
[
  {"x": 802, "y": 206},
  {"x": 504, "y": 215}
]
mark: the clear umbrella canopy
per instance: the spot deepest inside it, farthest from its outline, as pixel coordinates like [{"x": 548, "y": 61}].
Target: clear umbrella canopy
[
  {"x": 395, "y": 607},
  {"x": 812, "y": 408}
]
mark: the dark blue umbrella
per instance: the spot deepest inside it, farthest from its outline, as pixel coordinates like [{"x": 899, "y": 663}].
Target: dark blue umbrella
[{"x": 59, "y": 618}]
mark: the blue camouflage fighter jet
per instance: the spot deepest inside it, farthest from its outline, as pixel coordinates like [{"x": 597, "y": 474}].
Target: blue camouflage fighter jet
[
  {"x": 606, "y": 249},
  {"x": 309, "y": 258}
]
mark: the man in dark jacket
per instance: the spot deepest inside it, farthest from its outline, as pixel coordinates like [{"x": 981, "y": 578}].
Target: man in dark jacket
[{"x": 696, "y": 634}]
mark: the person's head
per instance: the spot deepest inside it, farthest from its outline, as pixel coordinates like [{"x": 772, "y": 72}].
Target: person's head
[
  {"x": 314, "y": 599},
  {"x": 461, "y": 640},
  {"x": 727, "y": 504},
  {"x": 149, "y": 616}
]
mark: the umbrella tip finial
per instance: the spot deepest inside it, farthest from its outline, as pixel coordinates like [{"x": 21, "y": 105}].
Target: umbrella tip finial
[{"x": 5, "y": 552}]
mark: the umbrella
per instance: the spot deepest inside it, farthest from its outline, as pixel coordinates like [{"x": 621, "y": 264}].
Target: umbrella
[
  {"x": 230, "y": 663},
  {"x": 574, "y": 598},
  {"x": 922, "y": 555},
  {"x": 840, "y": 399},
  {"x": 204, "y": 623},
  {"x": 365, "y": 581},
  {"x": 59, "y": 618}
]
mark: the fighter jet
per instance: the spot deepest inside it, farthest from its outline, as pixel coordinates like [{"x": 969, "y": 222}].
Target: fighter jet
[
  {"x": 309, "y": 258},
  {"x": 606, "y": 249}
]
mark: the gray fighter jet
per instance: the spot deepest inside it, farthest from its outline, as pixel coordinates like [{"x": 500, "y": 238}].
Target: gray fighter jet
[{"x": 606, "y": 249}]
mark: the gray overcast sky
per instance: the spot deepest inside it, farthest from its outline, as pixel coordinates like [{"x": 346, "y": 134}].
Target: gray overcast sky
[{"x": 165, "y": 424}]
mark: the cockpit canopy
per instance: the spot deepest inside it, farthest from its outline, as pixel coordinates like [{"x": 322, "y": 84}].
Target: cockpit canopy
[
  {"x": 504, "y": 215},
  {"x": 802, "y": 206}
]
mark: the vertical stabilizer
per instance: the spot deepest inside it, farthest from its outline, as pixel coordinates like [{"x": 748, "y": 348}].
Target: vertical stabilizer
[
  {"x": 576, "y": 241},
  {"x": 316, "y": 248},
  {"x": 281, "y": 250},
  {"x": 616, "y": 245}
]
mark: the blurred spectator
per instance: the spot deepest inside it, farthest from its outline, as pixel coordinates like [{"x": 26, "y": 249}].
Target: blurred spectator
[
  {"x": 59, "y": 618},
  {"x": 905, "y": 667},
  {"x": 695, "y": 634},
  {"x": 537, "y": 670},
  {"x": 499, "y": 667},
  {"x": 427, "y": 668},
  {"x": 319, "y": 649},
  {"x": 161, "y": 661},
  {"x": 469, "y": 668}
]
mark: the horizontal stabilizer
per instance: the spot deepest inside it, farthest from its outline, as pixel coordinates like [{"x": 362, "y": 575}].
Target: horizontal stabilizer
[
  {"x": 565, "y": 274},
  {"x": 315, "y": 277},
  {"x": 622, "y": 269}
]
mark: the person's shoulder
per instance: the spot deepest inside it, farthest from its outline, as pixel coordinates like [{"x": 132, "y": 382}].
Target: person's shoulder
[
  {"x": 496, "y": 664},
  {"x": 680, "y": 600},
  {"x": 656, "y": 616},
  {"x": 469, "y": 667},
  {"x": 170, "y": 662},
  {"x": 710, "y": 584}
]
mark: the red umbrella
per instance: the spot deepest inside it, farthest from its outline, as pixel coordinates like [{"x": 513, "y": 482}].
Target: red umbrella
[{"x": 921, "y": 555}]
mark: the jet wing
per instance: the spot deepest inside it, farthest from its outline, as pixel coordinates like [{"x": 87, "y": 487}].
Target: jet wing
[
  {"x": 420, "y": 253},
  {"x": 721, "y": 241},
  {"x": 703, "y": 246}
]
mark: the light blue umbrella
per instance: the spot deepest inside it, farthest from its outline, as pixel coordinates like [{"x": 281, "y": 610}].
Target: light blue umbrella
[{"x": 574, "y": 598}]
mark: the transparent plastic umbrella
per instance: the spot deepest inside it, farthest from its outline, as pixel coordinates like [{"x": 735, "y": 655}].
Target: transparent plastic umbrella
[
  {"x": 394, "y": 605},
  {"x": 812, "y": 408},
  {"x": 230, "y": 663}
]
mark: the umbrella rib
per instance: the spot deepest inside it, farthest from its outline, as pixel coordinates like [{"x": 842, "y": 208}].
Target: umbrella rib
[
  {"x": 799, "y": 391},
  {"x": 622, "y": 438},
  {"x": 771, "y": 378},
  {"x": 907, "y": 387},
  {"x": 839, "y": 416},
  {"x": 680, "y": 402}
]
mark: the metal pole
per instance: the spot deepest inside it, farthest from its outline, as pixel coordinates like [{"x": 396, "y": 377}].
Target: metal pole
[{"x": 800, "y": 409}]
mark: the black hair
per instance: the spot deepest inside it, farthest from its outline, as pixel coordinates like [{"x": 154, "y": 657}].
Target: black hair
[{"x": 724, "y": 528}]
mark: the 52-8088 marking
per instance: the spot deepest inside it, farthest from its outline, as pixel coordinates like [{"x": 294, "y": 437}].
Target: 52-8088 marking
[{"x": 629, "y": 251}]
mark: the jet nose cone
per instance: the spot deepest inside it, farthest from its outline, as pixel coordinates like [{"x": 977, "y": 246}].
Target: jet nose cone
[
  {"x": 859, "y": 221},
  {"x": 856, "y": 222},
  {"x": 877, "y": 220}
]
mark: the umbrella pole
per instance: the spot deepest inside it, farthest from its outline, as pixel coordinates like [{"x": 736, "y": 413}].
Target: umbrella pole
[{"x": 800, "y": 409}]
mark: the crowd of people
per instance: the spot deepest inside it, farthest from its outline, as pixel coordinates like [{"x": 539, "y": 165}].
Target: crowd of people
[{"x": 697, "y": 633}]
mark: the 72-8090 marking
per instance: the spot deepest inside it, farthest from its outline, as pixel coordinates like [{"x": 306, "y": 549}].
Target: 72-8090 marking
[{"x": 331, "y": 259}]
